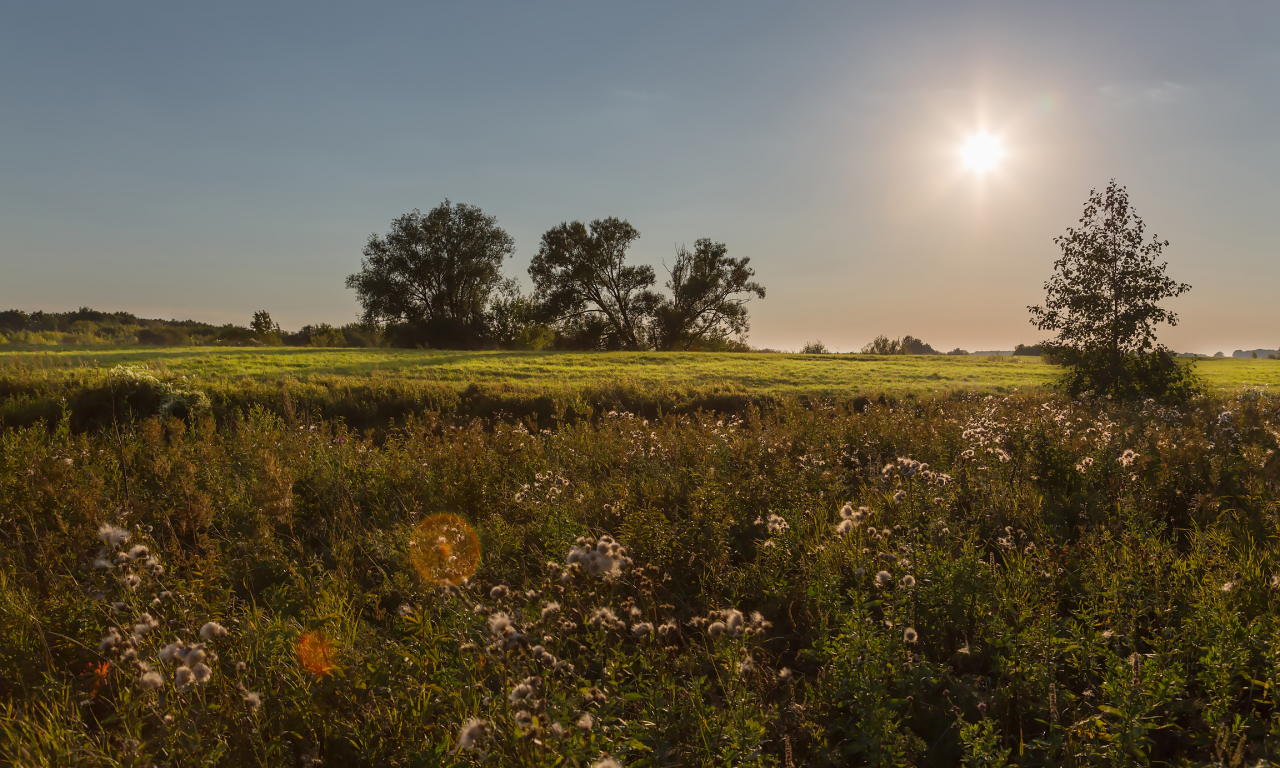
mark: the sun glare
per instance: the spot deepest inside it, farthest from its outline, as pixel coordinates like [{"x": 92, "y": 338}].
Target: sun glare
[{"x": 981, "y": 152}]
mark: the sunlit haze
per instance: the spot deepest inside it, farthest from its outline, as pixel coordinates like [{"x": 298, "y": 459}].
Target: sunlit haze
[
  {"x": 981, "y": 152},
  {"x": 895, "y": 168}
]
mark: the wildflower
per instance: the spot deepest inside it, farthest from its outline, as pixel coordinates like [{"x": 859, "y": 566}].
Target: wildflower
[
  {"x": 777, "y": 524},
  {"x": 604, "y": 617},
  {"x": 883, "y": 579},
  {"x": 845, "y": 526},
  {"x": 860, "y": 572},
  {"x": 480, "y": 609},
  {"x": 558, "y": 730},
  {"x": 252, "y": 700},
  {"x": 733, "y": 621},
  {"x": 212, "y": 629},
  {"x": 716, "y": 629},
  {"x": 168, "y": 719},
  {"x": 641, "y": 629},
  {"x": 241, "y": 666},
  {"x": 112, "y": 536},
  {"x": 1127, "y": 458},
  {"x": 150, "y": 680},
  {"x": 170, "y": 651},
  {"x": 132, "y": 581},
  {"x": 607, "y": 762},
  {"x": 524, "y": 720},
  {"x": 201, "y": 674},
  {"x": 109, "y": 640},
  {"x": 405, "y": 610},
  {"x": 785, "y": 676},
  {"x": 668, "y": 629},
  {"x": 909, "y": 635},
  {"x": 549, "y": 610},
  {"x": 471, "y": 734},
  {"x": 137, "y": 552},
  {"x": 183, "y": 678},
  {"x": 1230, "y": 585},
  {"x": 769, "y": 544},
  {"x": 192, "y": 655},
  {"x": 102, "y": 562},
  {"x": 606, "y": 558},
  {"x": 908, "y": 581},
  {"x": 1002, "y": 455},
  {"x": 746, "y": 666},
  {"x": 498, "y": 623},
  {"x": 586, "y": 721},
  {"x": 498, "y": 592},
  {"x": 520, "y": 693},
  {"x": 1108, "y": 634},
  {"x": 1084, "y": 464}
]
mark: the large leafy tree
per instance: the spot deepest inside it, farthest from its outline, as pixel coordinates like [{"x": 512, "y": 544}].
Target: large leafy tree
[
  {"x": 709, "y": 293},
  {"x": 580, "y": 276},
  {"x": 1103, "y": 301},
  {"x": 435, "y": 272}
]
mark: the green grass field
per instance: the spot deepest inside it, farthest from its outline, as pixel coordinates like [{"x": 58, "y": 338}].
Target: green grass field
[{"x": 774, "y": 374}]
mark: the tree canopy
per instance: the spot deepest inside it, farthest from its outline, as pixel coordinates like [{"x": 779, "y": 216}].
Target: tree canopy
[
  {"x": 709, "y": 293},
  {"x": 1102, "y": 300},
  {"x": 580, "y": 273},
  {"x": 436, "y": 272}
]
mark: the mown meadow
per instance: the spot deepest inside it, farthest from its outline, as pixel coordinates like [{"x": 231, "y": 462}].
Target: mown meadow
[{"x": 234, "y": 572}]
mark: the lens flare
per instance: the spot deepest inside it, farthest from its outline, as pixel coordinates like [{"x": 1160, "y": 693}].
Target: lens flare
[
  {"x": 445, "y": 550},
  {"x": 981, "y": 152},
  {"x": 315, "y": 654}
]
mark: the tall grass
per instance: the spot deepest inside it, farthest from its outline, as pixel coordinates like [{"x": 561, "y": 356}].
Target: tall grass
[{"x": 1063, "y": 583}]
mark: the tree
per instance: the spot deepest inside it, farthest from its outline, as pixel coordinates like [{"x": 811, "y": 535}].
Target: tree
[
  {"x": 435, "y": 272},
  {"x": 262, "y": 323},
  {"x": 1102, "y": 301},
  {"x": 709, "y": 293},
  {"x": 580, "y": 275}
]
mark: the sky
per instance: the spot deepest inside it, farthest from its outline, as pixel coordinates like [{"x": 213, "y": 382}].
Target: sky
[{"x": 208, "y": 160}]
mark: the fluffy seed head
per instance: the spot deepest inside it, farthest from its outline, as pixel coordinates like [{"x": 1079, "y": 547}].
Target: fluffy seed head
[
  {"x": 909, "y": 635},
  {"x": 183, "y": 678},
  {"x": 471, "y": 733},
  {"x": 212, "y": 629},
  {"x": 884, "y": 579},
  {"x": 252, "y": 700},
  {"x": 641, "y": 629},
  {"x": 112, "y": 536},
  {"x": 150, "y": 680}
]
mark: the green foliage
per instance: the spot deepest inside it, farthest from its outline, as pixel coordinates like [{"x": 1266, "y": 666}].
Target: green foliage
[
  {"x": 709, "y": 294},
  {"x": 580, "y": 276},
  {"x": 907, "y": 345},
  {"x": 435, "y": 272},
  {"x": 1064, "y": 583},
  {"x": 1103, "y": 303}
]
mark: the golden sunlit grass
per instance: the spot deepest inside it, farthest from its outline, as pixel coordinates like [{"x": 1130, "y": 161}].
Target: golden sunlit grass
[{"x": 445, "y": 550}]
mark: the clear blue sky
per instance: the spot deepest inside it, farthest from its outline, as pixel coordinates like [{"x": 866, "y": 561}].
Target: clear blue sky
[{"x": 205, "y": 161}]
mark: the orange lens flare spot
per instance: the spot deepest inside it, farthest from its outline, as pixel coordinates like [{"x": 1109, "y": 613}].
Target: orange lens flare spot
[
  {"x": 445, "y": 549},
  {"x": 315, "y": 654}
]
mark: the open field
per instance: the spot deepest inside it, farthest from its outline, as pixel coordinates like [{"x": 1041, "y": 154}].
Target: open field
[
  {"x": 968, "y": 577},
  {"x": 775, "y": 374}
]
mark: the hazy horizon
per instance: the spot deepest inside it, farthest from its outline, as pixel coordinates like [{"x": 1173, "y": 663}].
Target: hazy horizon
[{"x": 204, "y": 163}]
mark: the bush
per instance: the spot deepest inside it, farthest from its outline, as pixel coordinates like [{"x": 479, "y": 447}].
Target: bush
[
  {"x": 163, "y": 337},
  {"x": 1157, "y": 374},
  {"x": 814, "y": 348}
]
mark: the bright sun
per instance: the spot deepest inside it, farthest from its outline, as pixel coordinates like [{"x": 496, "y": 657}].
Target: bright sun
[{"x": 981, "y": 152}]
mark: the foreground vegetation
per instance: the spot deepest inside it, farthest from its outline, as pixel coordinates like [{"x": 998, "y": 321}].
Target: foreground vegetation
[{"x": 929, "y": 580}]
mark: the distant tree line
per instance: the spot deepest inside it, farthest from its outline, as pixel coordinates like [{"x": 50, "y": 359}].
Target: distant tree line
[
  {"x": 435, "y": 280},
  {"x": 86, "y": 326}
]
